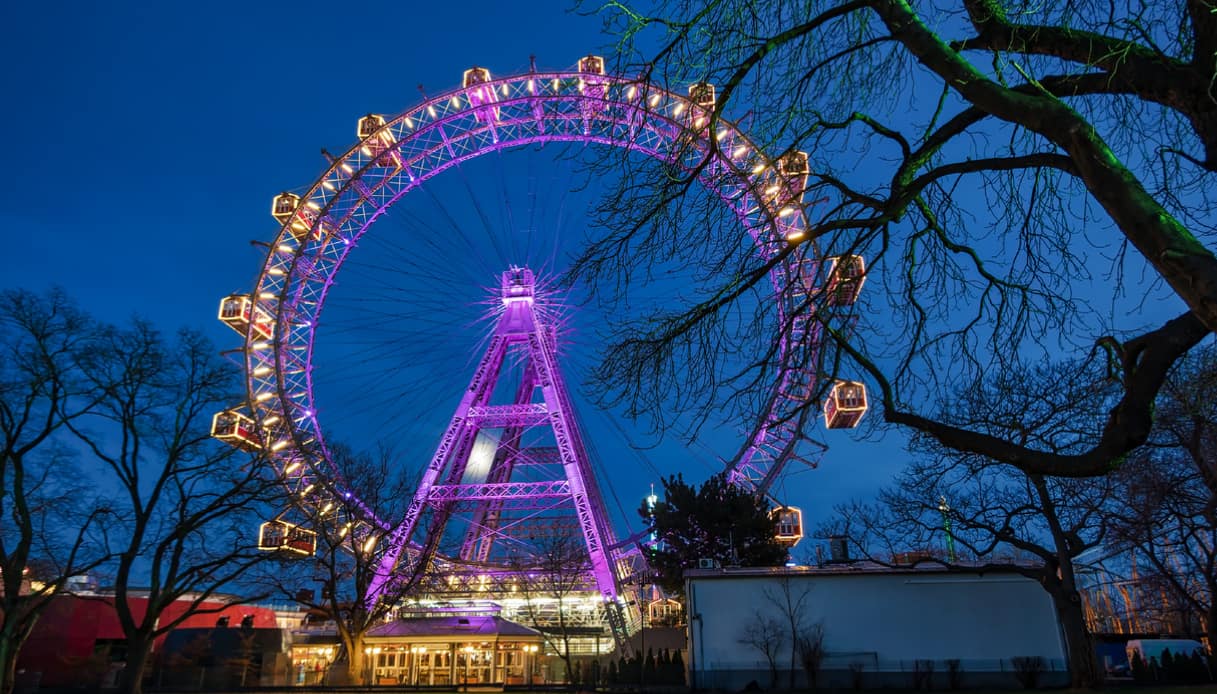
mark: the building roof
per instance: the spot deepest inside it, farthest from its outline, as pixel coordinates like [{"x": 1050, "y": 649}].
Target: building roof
[
  {"x": 865, "y": 567},
  {"x": 484, "y": 626}
]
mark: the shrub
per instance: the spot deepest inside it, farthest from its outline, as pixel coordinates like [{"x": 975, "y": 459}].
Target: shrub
[
  {"x": 1027, "y": 670},
  {"x": 954, "y": 674},
  {"x": 855, "y": 675}
]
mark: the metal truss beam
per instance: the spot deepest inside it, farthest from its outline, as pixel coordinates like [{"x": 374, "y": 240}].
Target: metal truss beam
[{"x": 498, "y": 491}]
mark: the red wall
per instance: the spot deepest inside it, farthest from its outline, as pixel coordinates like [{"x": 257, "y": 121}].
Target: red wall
[{"x": 66, "y": 633}]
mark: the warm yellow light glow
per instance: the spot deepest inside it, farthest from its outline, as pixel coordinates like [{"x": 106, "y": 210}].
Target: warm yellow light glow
[
  {"x": 292, "y": 467},
  {"x": 505, "y": 91},
  {"x": 532, "y": 87},
  {"x": 263, "y": 397},
  {"x": 270, "y": 421},
  {"x": 759, "y": 168},
  {"x": 279, "y": 445},
  {"x": 368, "y": 545},
  {"x": 284, "y": 248},
  {"x": 654, "y": 99},
  {"x": 456, "y": 101},
  {"x": 739, "y": 151},
  {"x": 366, "y": 152},
  {"x": 680, "y": 108},
  {"x": 431, "y": 111},
  {"x": 721, "y": 134},
  {"x": 409, "y": 122},
  {"x": 786, "y": 212},
  {"x": 276, "y": 271},
  {"x": 555, "y": 84},
  {"x": 631, "y": 92}
]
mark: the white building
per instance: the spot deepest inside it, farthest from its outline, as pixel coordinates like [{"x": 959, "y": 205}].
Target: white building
[{"x": 881, "y": 626}]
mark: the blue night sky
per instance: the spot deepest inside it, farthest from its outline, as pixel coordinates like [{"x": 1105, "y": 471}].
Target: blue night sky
[{"x": 146, "y": 140}]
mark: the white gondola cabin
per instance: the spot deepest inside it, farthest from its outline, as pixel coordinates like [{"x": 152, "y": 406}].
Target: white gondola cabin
[
  {"x": 591, "y": 83},
  {"x": 793, "y": 168},
  {"x": 237, "y": 429},
  {"x": 591, "y": 65},
  {"x": 284, "y": 206},
  {"x": 702, "y": 94},
  {"x": 845, "y": 405},
  {"x": 280, "y": 535},
  {"x": 299, "y": 216},
  {"x": 481, "y": 95},
  {"x": 787, "y": 525},
  {"x": 238, "y": 312},
  {"x": 378, "y": 142},
  {"x": 846, "y": 274}
]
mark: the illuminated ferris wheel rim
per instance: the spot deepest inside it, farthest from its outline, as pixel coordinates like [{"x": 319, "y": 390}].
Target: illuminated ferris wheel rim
[{"x": 463, "y": 123}]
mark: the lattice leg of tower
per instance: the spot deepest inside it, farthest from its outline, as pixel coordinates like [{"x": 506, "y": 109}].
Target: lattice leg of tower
[{"x": 520, "y": 486}]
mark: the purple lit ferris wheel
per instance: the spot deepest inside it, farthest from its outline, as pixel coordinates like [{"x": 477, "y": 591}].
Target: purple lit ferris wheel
[{"x": 395, "y": 156}]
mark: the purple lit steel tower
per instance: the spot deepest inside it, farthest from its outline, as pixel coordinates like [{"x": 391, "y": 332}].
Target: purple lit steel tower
[{"x": 522, "y": 482}]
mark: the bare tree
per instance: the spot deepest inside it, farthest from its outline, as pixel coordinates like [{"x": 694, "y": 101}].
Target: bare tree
[
  {"x": 792, "y": 604},
  {"x": 766, "y": 634},
  {"x": 1019, "y": 175},
  {"x": 995, "y": 512},
  {"x": 187, "y": 505},
  {"x": 368, "y": 491},
  {"x": 1167, "y": 509},
  {"x": 556, "y": 569},
  {"x": 52, "y": 524},
  {"x": 811, "y": 653}
]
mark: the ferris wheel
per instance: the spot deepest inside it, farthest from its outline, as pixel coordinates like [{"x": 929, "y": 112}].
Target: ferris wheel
[{"x": 320, "y": 228}]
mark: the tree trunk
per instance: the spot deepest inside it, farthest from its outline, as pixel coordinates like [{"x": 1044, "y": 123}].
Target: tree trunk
[
  {"x": 132, "y": 680},
  {"x": 15, "y": 627},
  {"x": 1210, "y": 623},
  {"x": 356, "y": 666},
  {"x": 1080, "y": 656},
  {"x": 8, "y": 662}
]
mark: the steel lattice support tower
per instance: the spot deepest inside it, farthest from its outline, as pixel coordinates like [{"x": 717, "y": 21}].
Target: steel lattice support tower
[{"x": 523, "y": 342}]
